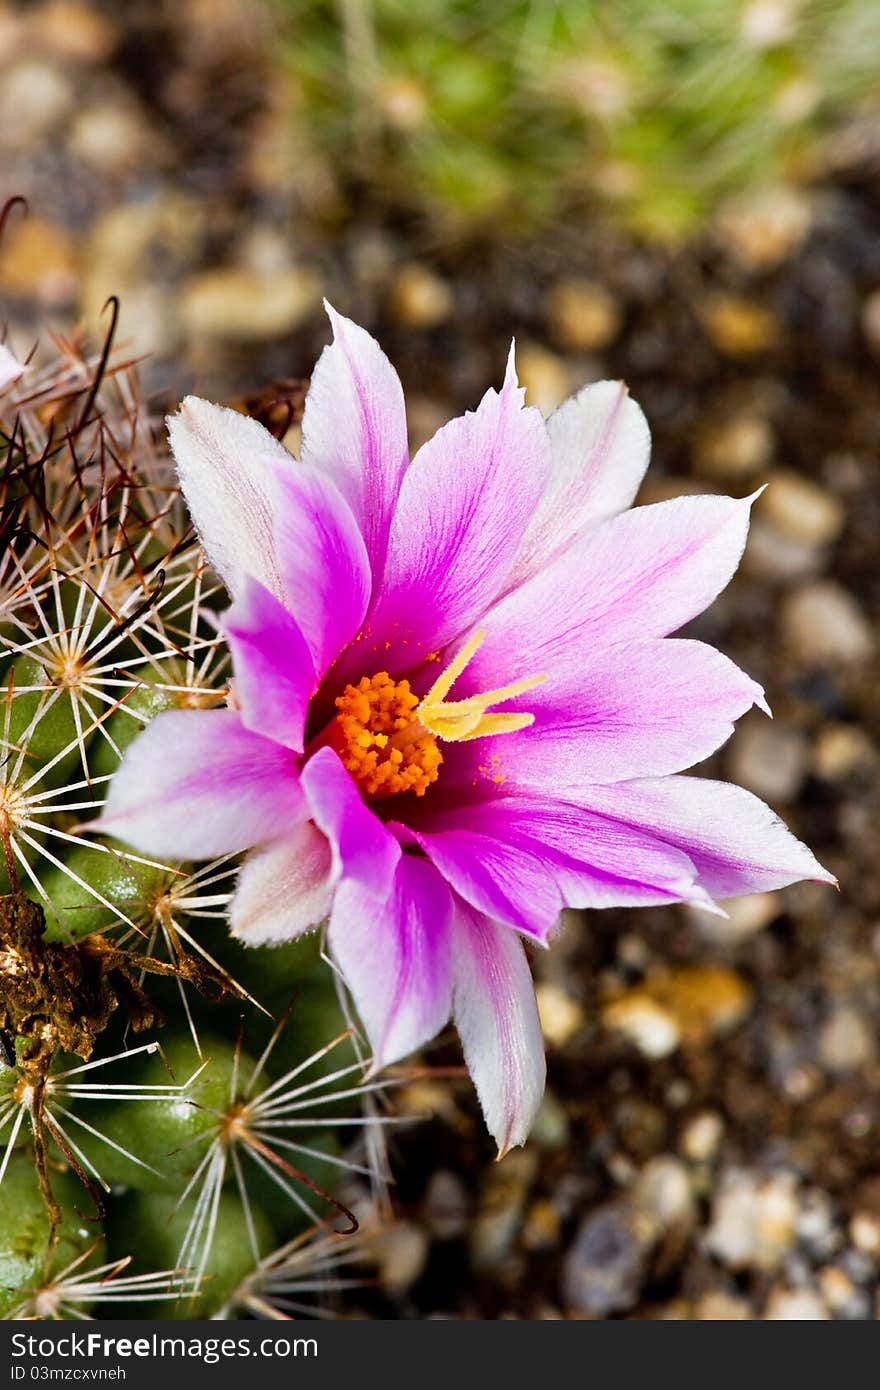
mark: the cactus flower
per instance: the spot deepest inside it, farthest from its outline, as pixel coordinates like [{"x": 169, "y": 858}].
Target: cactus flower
[{"x": 456, "y": 706}]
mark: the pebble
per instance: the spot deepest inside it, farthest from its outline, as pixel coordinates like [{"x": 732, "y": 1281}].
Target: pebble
[
  {"x": 765, "y": 227},
  {"x": 550, "y": 1129},
  {"x": 498, "y": 1221},
  {"x": 701, "y": 1138},
  {"x": 643, "y": 1022},
  {"x": 817, "y": 1230},
  {"x": 561, "y": 1016},
  {"x": 746, "y": 917},
  {"x": 582, "y": 315},
  {"x": 602, "y": 1270},
  {"x": 753, "y": 1220},
  {"x": 662, "y": 1194},
  {"x": 801, "y": 509},
  {"x": 846, "y": 1041},
  {"x": 823, "y": 624},
  {"x": 734, "y": 448},
  {"x": 773, "y": 556},
  {"x": 38, "y": 261},
  {"x": 35, "y": 98},
  {"x": 864, "y": 1232},
  {"x": 114, "y": 138},
  {"x": 247, "y": 306},
  {"x": 420, "y": 298},
  {"x": 74, "y": 30},
  {"x": 841, "y": 749},
  {"x": 542, "y": 1227},
  {"x": 795, "y": 1305},
  {"x": 401, "y": 1254},
  {"x": 446, "y": 1205},
  {"x": 544, "y": 375},
  {"x": 718, "y": 1306},
  {"x": 739, "y": 327},
  {"x": 840, "y": 1295},
  {"x": 770, "y": 760}
]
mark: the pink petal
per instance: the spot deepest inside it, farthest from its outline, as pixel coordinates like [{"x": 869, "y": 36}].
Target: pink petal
[
  {"x": 196, "y": 784},
  {"x": 274, "y": 676},
  {"x": 325, "y": 570},
  {"x": 10, "y": 367},
  {"x": 223, "y": 463},
  {"x": 521, "y": 860},
  {"x": 600, "y": 445},
  {"x": 354, "y": 429},
  {"x": 737, "y": 844},
  {"x": 284, "y": 889},
  {"x": 639, "y": 575},
  {"x": 464, "y": 506},
  {"x": 642, "y": 709},
  {"x": 395, "y": 957},
  {"x": 361, "y": 847},
  {"x": 493, "y": 1004}
]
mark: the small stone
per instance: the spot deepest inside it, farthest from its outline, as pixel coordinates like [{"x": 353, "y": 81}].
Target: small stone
[
  {"x": 542, "y": 1226},
  {"x": 817, "y": 1229},
  {"x": 561, "y": 1016},
  {"x": 74, "y": 30},
  {"x": 246, "y": 306},
  {"x": 841, "y": 749},
  {"x": 770, "y": 760},
  {"x": 746, "y": 917},
  {"x": 864, "y": 1232},
  {"x": 871, "y": 321},
  {"x": 503, "y": 1199},
  {"x": 662, "y": 1194},
  {"x": 839, "y": 1294},
  {"x": 35, "y": 98},
  {"x": 582, "y": 315},
  {"x": 602, "y": 1272},
  {"x": 420, "y": 298},
  {"x": 114, "y": 138},
  {"x": 718, "y": 1306},
  {"x": 37, "y": 261},
  {"x": 739, "y": 327},
  {"x": 771, "y": 555},
  {"x": 753, "y": 1220},
  {"x": 544, "y": 376},
  {"x": 802, "y": 510},
  {"x": 702, "y": 1137},
  {"x": 734, "y": 448},
  {"x": 765, "y": 227},
  {"x": 846, "y": 1042},
  {"x": 401, "y": 1254},
  {"x": 446, "y": 1205},
  {"x": 643, "y": 1022},
  {"x": 550, "y": 1129},
  {"x": 795, "y": 1305},
  {"x": 823, "y": 624}
]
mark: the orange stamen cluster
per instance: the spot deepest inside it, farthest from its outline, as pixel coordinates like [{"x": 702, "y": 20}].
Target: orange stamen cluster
[{"x": 380, "y": 740}]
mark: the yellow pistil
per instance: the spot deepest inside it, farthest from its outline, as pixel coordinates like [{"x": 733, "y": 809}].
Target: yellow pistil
[{"x": 387, "y": 738}]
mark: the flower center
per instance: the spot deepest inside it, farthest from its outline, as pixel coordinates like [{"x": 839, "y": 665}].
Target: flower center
[{"x": 388, "y": 739}]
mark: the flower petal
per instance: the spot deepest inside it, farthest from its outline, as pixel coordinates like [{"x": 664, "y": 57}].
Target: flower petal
[
  {"x": 223, "y": 463},
  {"x": 354, "y": 429},
  {"x": 362, "y": 848},
  {"x": 10, "y": 367},
  {"x": 737, "y": 844},
  {"x": 600, "y": 445},
  {"x": 464, "y": 506},
  {"x": 322, "y": 559},
  {"x": 395, "y": 957},
  {"x": 639, "y": 575},
  {"x": 274, "y": 676},
  {"x": 640, "y": 710},
  {"x": 197, "y": 784},
  {"x": 493, "y": 1004},
  {"x": 521, "y": 860},
  {"x": 284, "y": 889}
]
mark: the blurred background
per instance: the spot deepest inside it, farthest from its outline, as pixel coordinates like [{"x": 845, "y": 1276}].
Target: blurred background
[{"x": 682, "y": 193}]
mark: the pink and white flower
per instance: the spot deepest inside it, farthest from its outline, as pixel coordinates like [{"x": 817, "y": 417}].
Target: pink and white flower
[{"x": 458, "y": 706}]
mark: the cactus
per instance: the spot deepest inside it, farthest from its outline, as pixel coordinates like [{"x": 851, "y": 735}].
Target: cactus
[
  {"x": 662, "y": 111},
  {"x": 144, "y": 1169}
]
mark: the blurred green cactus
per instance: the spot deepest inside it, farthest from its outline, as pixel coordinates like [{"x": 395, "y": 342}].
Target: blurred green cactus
[{"x": 661, "y": 109}]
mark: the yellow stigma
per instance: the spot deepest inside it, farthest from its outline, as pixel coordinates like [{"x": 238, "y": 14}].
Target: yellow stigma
[{"x": 387, "y": 738}]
